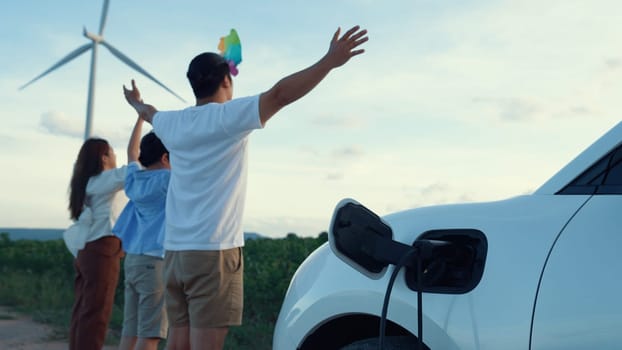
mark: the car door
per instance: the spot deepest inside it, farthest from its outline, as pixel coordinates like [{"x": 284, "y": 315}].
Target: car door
[{"x": 578, "y": 304}]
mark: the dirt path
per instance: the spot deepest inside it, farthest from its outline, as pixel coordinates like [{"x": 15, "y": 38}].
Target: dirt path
[{"x": 19, "y": 332}]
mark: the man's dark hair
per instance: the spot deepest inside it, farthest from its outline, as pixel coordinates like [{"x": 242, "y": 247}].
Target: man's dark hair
[
  {"x": 205, "y": 73},
  {"x": 151, "y": 150}
]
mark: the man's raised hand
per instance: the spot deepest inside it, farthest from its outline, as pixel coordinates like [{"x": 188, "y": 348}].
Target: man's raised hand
[{"x": 344, "y": 47}]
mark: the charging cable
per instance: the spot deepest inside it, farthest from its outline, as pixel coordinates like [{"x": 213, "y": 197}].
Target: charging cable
[{"x": 404, "y": 260}]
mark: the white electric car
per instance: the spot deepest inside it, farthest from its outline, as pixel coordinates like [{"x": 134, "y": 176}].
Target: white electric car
[{"x": 538, "y": 271}]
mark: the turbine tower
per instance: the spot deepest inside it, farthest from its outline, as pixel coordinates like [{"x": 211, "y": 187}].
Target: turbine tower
[{"x": 97, "y": 39}]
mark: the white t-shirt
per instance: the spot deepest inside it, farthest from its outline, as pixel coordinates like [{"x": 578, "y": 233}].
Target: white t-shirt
[
  {"x": 104, "y": 201},
  {"x": 207, "y": 191}
]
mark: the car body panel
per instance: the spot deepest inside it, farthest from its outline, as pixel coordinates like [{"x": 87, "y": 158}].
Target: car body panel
[
  {"x": 520, "y": 232},
  {"x": 578, "y": 304}
]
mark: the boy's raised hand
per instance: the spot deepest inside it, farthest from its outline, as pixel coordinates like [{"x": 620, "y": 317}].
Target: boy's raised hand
[
  {"x": 145, "y": 111},
  {"x": 132, "y": 96}
]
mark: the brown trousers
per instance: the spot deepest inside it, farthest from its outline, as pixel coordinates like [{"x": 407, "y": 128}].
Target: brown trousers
[{"x": 97, "y": 273}]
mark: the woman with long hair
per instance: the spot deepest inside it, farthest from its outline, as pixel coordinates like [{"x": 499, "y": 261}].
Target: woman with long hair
[{"x": 95, "y": 199}]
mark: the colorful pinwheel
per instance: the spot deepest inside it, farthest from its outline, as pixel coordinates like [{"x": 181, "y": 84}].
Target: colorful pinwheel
[{"x": 231, "y": 49}]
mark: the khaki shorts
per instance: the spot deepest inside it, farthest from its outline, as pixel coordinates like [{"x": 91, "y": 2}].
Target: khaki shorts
[
  {"x": 204, "y": 289},
  {"x": 144, "y": 314}
]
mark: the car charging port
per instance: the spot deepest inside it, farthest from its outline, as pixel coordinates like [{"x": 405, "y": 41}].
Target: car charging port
[
  {"x": 452, "y": 261},
  {"x": 439, "y": 261}
]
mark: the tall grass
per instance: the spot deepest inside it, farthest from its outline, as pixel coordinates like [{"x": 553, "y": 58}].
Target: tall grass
[{"x": 36, "y": 277}]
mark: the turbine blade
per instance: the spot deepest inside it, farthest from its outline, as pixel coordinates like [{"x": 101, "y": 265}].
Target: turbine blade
[
  {"x": 75, "y": 53},
  {"x": 102, "y": 22},
  {"x": 138, "y": 68}
]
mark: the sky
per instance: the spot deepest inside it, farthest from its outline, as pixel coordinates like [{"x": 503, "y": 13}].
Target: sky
[{"x": 453, "y": 101}]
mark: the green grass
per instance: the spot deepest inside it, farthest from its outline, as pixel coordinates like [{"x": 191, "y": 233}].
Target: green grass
[{"x": 36, "y": 278}]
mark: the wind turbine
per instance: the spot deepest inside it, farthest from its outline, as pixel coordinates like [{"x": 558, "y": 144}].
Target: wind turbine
[{"x": 97, "y": 39}]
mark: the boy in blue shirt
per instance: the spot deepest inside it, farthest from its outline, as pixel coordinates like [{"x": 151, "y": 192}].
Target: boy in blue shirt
[{"x": 141, "y": 229}]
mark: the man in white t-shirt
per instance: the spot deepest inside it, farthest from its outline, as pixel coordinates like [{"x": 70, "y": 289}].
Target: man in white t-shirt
[{"x": 205, "y": 201}]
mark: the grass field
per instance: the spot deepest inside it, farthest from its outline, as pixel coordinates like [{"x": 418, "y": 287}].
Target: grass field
[{"x": 36, "y": 278}]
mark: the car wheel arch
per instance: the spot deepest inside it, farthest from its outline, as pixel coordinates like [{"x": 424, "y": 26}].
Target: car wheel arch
[{"x": 347, "y": 329}]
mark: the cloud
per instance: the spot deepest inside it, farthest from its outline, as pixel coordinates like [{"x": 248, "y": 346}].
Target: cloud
[
  {"x": 348, "y": 152},
  {"x": 308, "y": 150},
  {"x": 334, "y": 176},
  {"x": 435, "y": 193},
  {"x": 613, "y": 63},
  {"x": 342, "y": 159},
  {"x": 581, "y": 110},
  {"x": 117, "y": 137},
  {"x": 335, "y": 122},
  {"x": 7, "y": 140},
  {"x": 433, "y": 189},
  {"x": 57, "y": 123},
  {"x": 510, "y": 108}
]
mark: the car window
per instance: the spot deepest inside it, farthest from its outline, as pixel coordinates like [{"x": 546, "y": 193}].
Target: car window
[{"x": 604, "y": 177}]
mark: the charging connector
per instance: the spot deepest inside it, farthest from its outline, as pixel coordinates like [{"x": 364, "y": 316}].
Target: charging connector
[{"x": 413, "y": 257}]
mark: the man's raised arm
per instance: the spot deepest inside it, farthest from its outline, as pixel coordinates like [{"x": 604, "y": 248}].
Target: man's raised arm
[{"x": 293, "y": 87}]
